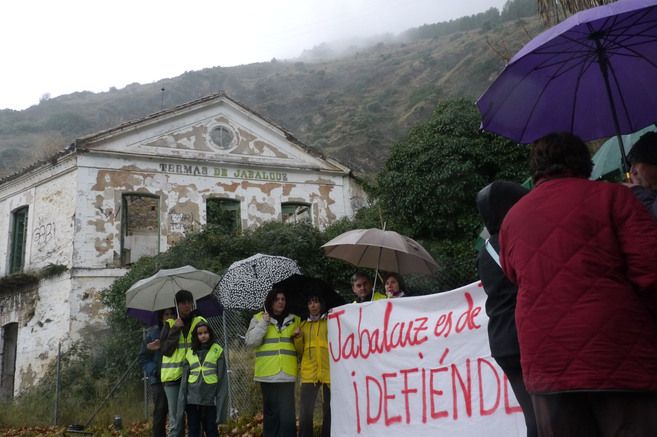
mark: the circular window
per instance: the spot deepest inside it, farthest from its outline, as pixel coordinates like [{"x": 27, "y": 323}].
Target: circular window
[{"x": 222, "y": 137}]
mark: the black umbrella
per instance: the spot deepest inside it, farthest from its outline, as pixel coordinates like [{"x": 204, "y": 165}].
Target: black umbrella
[{"x": 298, "y": 288}]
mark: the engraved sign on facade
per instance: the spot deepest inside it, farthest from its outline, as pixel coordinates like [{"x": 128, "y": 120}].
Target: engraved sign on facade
[
  {"x": 196, "y": 170},
  {"x": 224, "y": 172}
]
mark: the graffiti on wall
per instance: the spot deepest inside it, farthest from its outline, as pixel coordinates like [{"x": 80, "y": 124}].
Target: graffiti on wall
[
  {"x": 43, "y": 233},
  {"x": 181, "y": 221}
]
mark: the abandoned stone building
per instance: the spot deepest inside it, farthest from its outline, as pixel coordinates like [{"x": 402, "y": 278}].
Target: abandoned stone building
[{"x": 134, "y": 190}]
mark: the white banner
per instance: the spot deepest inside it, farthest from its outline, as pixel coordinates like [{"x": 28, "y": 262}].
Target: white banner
[{"x": 420, "y": 366}]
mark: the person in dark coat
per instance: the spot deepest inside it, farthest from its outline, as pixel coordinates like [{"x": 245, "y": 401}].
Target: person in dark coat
[
  {"x": 493, "y": 202},
  {"x": 583, "y": 255},
  {"x": 150, "y": 359},
  {"x": 643, "y": 171}
]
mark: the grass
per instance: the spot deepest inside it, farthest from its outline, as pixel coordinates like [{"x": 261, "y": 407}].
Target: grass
[{"x": 37, "y": 408}]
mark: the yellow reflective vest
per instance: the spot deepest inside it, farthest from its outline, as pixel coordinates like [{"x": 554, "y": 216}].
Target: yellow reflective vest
[
  {"x": 277, "y": 352},
  {"x": 315, "y": 357},
  {"x": 207, "y": 369},
  {"x": 172, "y": 367}
]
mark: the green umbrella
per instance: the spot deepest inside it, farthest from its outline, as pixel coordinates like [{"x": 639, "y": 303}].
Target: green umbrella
[{"x": 607, "y": 160}]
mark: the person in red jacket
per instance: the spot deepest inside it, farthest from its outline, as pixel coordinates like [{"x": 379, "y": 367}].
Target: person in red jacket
[{"x": 584, "y": 257}]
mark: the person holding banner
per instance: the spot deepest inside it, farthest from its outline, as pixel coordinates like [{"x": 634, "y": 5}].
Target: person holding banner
[
  {"x": 583, "y": 254},
  {"x": 362, "y": 288},
  {"x": 315, "y": 371},
  {"x": 394, "y": 285},
  {"x": 493, "y": 202},
  {"x": 272, "y": 332}
]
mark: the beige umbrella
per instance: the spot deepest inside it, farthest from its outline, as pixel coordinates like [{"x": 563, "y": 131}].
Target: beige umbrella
[
  {"x": 381, "y": 250},
  {"x": 158, "y": 291}
]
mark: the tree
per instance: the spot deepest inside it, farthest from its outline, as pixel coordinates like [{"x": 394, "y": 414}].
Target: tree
[
  {"x": 554, "y": 11},
  {"x": 429, "y": 183},
  {"x": 517, "y": 9}
]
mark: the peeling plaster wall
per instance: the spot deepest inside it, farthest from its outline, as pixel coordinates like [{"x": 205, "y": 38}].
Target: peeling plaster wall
[
  {"x": 61, "y": 309},
  {"x": 88, "y": 314},
  {"x": 43, "y": 321},
  {"x": 41, "y": 312},
  {"x": 53, "y": 223},
  {"x": 51, "y": 208},
  {"x": 101, "y": 185}
]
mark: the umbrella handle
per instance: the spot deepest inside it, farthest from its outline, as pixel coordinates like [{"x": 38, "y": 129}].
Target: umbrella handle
[{"x": 376, "y": 274}]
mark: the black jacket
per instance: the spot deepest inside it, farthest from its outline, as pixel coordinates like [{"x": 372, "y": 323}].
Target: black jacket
[
  {"x": 648, "y": 197},
  {"x": 493, "y": 202}
]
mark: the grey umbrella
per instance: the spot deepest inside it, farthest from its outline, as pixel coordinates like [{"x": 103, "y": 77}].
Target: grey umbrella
[
  {"x": 158, "y": 291},
  {"x": 381, "y": 250}
]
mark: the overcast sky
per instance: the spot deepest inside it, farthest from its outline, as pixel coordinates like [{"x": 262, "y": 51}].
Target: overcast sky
[{"x": 59, "y": 47}]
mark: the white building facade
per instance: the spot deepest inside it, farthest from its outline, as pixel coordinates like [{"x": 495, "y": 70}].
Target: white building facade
[{"x": 136, "y": 190}]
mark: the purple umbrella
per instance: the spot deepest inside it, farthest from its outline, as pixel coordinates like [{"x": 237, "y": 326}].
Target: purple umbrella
[
  {"x": 207, "y": 306},
  {"x": 593, "y": 74}
]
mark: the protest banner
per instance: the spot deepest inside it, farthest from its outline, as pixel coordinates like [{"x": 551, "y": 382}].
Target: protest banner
[{"x": 420, "y": 366}]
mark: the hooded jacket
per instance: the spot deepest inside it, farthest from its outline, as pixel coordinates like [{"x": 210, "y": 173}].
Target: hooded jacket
[
  {"x": 493, "y": 202},
  {"x": 584, "y": 257},
  {"x": 312, "y": 345}
]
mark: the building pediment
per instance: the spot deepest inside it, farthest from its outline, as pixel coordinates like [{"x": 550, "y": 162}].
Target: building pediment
[
  {"x": 222, "y": 136},
  {"x": 215, "y": 129}
]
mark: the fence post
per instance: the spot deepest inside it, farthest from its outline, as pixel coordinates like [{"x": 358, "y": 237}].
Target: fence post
[
  {"x": 230, "y": 397},
  {"x": 145, "y": 379},
  {"x": 57, "y": 382}
]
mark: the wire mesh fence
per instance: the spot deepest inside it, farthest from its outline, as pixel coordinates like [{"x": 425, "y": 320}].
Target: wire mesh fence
[{"x": 244, "y": 398}]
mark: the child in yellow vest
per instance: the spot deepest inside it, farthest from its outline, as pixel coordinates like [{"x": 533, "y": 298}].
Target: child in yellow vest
[
  {"x": 315, "y": 372},
  {"x": 204, "y": 385}
]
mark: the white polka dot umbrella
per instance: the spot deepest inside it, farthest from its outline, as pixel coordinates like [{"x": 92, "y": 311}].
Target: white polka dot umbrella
[{"x": 245, "y": 283}]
